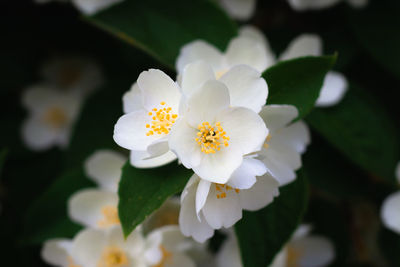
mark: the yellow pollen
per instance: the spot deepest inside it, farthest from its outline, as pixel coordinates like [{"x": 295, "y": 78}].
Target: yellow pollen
[
  {"x": 113, "y": 257},
  {"x": 220, "y": 73},
  {"x": 293, "y": 257},
  {"x": 166, "y": 257},
  {"x": 210, "y": 139},
  {"x": 55, "y": 117},
  {"x": 266, "y": 145},
  {"x": 222, "y": 189},
  {"x": 162, "y": 122},
  {"x": 110, "y": 217}
]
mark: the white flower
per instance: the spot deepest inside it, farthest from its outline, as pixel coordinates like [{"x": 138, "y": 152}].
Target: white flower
[
  {"x": 90, "y": 7},
  {"x": 390, "y": 212},
  {"x": 76, "y": 74},
  {"x": 302, "y": 250},
  {"x": 207, "y": 206},
  {"x": 239, "y": 9},
  {"x": 303, "y": 5},
  {"x": 212, "y": 137},
  {"x": 286, "y": 141},
  {"x": 51, "y": 115},
  {"x": 146, "y": 128},
  {"x": 167, "y": 214},
  {"x": 132, "y": 101},
  {"x": 57, "y": 252},
  {"x": 105, "y": 168}
]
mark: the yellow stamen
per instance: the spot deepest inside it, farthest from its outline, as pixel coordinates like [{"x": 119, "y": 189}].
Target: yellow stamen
[
  {"x": 220, "y": 73},
  {"x": 210, "y": 139},
  {"x": 222, "y": 189},
  {"x": 110, "y": 217},
  {"x": 166, "y": 257},
  {"x": 55, "y": 117},
  {"x": 266, "y": 145},
  {"x": 163, "y": 120},
  {"x": 113, "y": 257},
  {"x": 293, "y": 257}
]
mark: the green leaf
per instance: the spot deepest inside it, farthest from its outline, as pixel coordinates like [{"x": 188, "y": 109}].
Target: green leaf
[
  {"x": 142, "y": 191},
  {"x": 161, "y": 27},
  {"x": 3, "y": 154},
  {"x": 376, "y": 27},
  {"x": 262, "y": 234},
  {"x": 362, "y": 131},
  {"x": 298, "y": 81},
  {"x": 47, "y": 217}
]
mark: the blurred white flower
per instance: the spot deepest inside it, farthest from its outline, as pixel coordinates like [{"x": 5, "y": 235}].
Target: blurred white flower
[
  {"x": 88, "y": 7},
  {"x": 213, "y": 137},
  {"x": 335, "y": 84},
  {"x": 303, "y": 5},
  {"x": 239, "y": 9},
  {"x": 167, "y": 214},
  {"x": 207, "y": 206},
  {"x": 145, "y": 129},
  {"x": 51, "y": 116},
  {"x": 76, "y": 74},
  {"x": 286, "y": 141},
  {"x": 390, "y": 212},
  {"x": 57, "y": 252},
  {"x": 303, "y": 250},
  {"x": 104, "y": 167}
]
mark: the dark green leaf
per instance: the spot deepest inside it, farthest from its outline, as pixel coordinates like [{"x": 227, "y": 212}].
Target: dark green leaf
[
  {"x": 362, "y": 131},
  {"x": 161, "y": 28},
  {"x": 262, "y": 234},
  {"x": 298, "y": 81},
  {"x": 142, "y": 191},
  {"x": 47, "y": 217}
]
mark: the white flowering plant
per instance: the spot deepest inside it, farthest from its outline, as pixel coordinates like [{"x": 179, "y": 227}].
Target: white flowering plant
[{"x": 222, "y": 133}]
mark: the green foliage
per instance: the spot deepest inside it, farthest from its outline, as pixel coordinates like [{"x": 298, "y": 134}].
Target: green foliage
[
  {"x": 161, "y": 28},
  {"x": 298, "y": 81},
  {"x": 360, "y": 129},
  {"x": 262, "y": 234},
  {"x": 142, "y": 191}
]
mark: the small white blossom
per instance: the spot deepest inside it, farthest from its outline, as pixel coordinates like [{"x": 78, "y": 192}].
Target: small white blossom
[
  {"x": 390, "y": 212},
  {"x": 239, "y": 9},
  {"x": 57, "y": 252},
  {"x": 212, "y": 137},
  {"x": 51, "y": 116},
  {"x": 207, "y": 206},
  {"x": 304, "y": 5},
  {"x": 88, "y": 7},
  {"x": 145, "y": 129}
]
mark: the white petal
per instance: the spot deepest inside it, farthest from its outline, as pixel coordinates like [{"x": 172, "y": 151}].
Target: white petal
[
  {"x": 246, "y": 87},
  {"x": 140, "y": 159},
  {"x": 37, "y": 135},
  {"x": 219, "y": 167},
  {"x": 333, "y": 89},
  {"x": 247, "y": 51},
  {"x": 315, "y": 251},
  {"x": 158, "y": 147},
  {"x": 397, "y": 172},
  {"x": 90, "y": 7},
  {"x": 297, "y": 135},
  {"x": 229, "y": 254},
  {"x": 179, "y": 260},
  {"x": 303, "y": 45},
  {"x": 172, "y": 238},
  {"x": 199, "y": 50},
  {"x": 280, "y": 259},
  {"x": 157, "y": 87},
  {"x": 283, "y": 173},
  {"x": 239, "y": 9},
  {"x": 188, "y": 222},
  {"x": 302, "y": 231},
  {"x": 85, "y": 206},
  {"x": 54, "y": 253},
  {"x": 390, "y": 212},
  {"x": 203, "y": 188},
  {"x": 194, "y": 75},
  {"x": 205, "y": 103},
  {"x": 87, "y": 246},
  {"x": 222, "y": 211},
  {"x": 37, "y": 96},
  {"x": 279, "y": 151},
  {"x": 182, "y": 142},
  {"x": 244, "y": 177},
  {"x": 278, "y": 116},
  {"x": 260, "y": 194},
  {"x": 105, "y": 168},
  {"x": 153, "y": 253},
  {"x": 130, "y": 131},
  {"x": 302, "y": 5},
  {"x": 134, "y": 244},
  {"x": 244, "y": 127},
  {"x": 132, "y": 100}
]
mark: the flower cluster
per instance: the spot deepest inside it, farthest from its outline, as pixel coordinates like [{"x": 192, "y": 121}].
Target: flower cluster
[
  {"x": 102, "y": 242},
  {"x": 390, "y": 212},
  {"x": 215, "y": 121}
]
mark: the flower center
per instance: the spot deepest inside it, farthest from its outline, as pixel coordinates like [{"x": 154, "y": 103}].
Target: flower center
[
  {"x": 211, "y": 138},
  {"x": 113, "y": 257},
  {"x": 55, "y": 117},
  {"x": 220, "y": 73},
  {"x": 166, "y": 257},
  {"x": 222, "y": 189},
  {"x": 293, "y": 256},
  {"x": 162, "y": 120},
  {"x": 266, "y": 145},
  {"x": 110, "y": 217}
]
